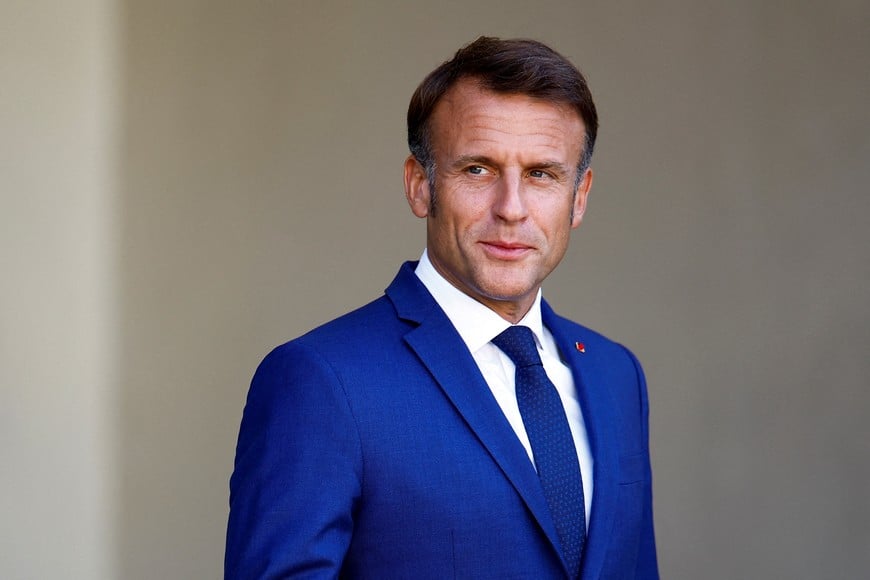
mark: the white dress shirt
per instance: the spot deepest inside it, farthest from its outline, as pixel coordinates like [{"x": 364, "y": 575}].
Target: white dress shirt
[{"x": 478, "y": 325}]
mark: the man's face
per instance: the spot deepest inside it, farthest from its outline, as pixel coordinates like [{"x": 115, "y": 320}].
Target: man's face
[{"x": 505, "y": 171}]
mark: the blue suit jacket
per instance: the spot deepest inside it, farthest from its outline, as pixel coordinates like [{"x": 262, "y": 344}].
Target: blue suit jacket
[{"x": 372, "y": 447}]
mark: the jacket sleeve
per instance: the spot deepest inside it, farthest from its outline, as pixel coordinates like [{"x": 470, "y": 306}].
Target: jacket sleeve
[
  {"x": 647, "y": 562},
  {"x": 297, "y": 473}
]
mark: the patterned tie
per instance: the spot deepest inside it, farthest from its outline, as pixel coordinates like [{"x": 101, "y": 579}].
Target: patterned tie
[{"x": 552, "y": 445}]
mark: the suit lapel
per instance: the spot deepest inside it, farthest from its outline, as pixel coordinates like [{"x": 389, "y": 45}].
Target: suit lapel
[
  {"x": 461, "y": 381},
  {"x": 598, "y": 409}
]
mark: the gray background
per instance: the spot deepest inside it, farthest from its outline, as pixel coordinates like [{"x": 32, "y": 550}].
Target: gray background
[{"x": 187, "y": 184}]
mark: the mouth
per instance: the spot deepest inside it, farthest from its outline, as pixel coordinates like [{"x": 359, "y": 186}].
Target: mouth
[{"x": 509, "y": 251}]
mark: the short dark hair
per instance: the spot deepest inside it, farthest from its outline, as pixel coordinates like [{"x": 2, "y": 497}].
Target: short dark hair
[{"x": 514, "y": 66}]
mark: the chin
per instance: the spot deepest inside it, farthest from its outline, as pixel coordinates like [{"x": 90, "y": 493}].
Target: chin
[{"x": 507, "y": 292}]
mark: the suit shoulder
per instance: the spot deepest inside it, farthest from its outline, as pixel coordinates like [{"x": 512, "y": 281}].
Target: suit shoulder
[
  {"x": 372, "y": 326},
  {"x": 586, "y": 336},
  {"x": 357, "y": 320},
  {"x": 602, "y": 355}
]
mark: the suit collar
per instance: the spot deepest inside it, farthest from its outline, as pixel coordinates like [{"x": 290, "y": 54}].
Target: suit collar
[{"x": 410, "y": 298}]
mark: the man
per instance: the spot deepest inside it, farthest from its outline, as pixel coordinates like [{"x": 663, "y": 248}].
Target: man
[{"x": 457, "y": 427}]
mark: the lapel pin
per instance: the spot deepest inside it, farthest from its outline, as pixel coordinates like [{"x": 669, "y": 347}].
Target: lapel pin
[{"x": 580, "y": 347}]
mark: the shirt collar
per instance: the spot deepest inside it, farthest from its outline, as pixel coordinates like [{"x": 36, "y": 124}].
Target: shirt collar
[{"x": 476, "y": 323}]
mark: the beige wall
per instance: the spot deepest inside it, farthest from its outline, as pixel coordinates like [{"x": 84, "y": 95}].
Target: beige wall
[
  {"x": 187, "y": 184},
  {"x": 58, "y": 290}
]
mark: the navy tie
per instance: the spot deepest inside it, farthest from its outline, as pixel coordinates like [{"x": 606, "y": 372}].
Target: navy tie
[{"x": 552, "y": 444}]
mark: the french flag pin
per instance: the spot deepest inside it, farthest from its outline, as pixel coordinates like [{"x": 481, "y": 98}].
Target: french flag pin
[{"x": 580, "y": 347}]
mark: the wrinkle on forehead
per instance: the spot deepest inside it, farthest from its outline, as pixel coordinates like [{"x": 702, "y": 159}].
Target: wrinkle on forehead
[{"x": 469, "y": 118}]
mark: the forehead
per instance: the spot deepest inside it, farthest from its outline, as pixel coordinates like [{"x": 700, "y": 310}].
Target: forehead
[{"x": 471, "y": 116}]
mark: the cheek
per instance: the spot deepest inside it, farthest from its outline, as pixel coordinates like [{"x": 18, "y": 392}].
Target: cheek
[
  {"x": 467, "y": 219},
  {"x": 556, "y": 222},
  {"x": 449, "y": 233}
]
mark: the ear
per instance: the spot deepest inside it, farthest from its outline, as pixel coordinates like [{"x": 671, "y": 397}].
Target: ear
[
  {"x": 580, "y": 197},
  {"x": 417, "y": 187}
]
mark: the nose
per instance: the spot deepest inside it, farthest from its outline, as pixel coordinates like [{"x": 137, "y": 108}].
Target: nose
[{"x": 509, "y": 204}]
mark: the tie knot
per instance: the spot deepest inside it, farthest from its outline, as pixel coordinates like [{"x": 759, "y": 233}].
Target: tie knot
[{"x": 518, "y": 342}]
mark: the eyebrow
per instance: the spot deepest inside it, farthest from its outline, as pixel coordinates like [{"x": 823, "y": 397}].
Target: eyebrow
[
  {"x": 471, "y": 160},
  {"x": 554, "y": 166},
  {"x": 464, "y": 160}
]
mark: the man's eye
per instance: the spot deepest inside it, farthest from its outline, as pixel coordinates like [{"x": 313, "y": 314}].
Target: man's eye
[
  {"x": 538, "y": 174},
  {"x": 476, "y": 170}
]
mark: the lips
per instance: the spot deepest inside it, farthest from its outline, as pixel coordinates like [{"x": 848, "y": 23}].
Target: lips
[{"x": 503, "y": 250}]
